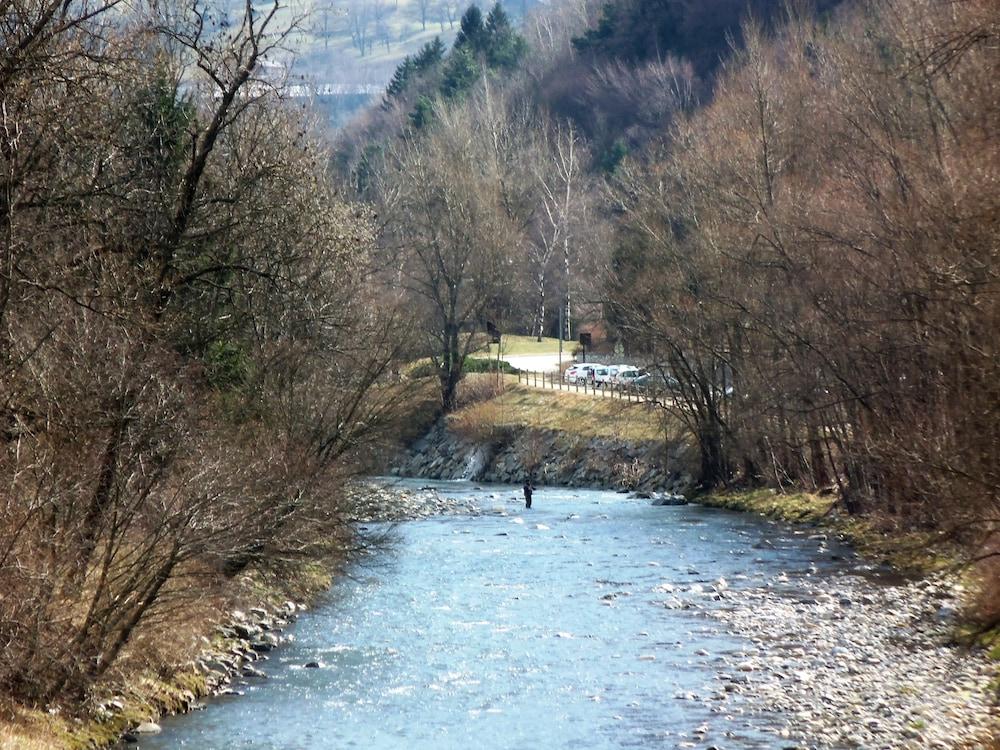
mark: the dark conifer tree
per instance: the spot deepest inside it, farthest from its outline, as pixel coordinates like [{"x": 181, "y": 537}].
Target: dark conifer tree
[
  {"x": 460, "y": 72},
  {"x": 472, "y": 34},
  {"x": 400, "y": 80},
  {"x": 423, "y": 112},
  {"x": 504, "y": 46},
  {"x": 429, "y": 55}
]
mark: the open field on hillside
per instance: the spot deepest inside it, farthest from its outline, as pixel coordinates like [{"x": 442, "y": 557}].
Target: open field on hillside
[{"x": 570, "y": 413}]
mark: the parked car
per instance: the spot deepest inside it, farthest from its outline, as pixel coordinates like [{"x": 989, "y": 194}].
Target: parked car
[
  {"x": 579, "y": 373},
  {"x": 645, "y": 380},
  {"x": 608, "y": 378},
  {"x": 624, "y": 374},
  {"x": 601, "y": 375},
  {"x": 630, "y": 377}
]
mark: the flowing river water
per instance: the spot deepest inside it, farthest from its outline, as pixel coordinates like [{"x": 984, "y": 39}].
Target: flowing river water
[{"x": 565, "y": 626}]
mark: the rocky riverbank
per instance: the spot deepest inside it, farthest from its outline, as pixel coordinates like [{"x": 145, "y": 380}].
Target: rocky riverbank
[
  {"x": 231, "y": 659},
  {"x": 856, "y": 663},
  {"x": 383, "y": 501},
  {"x": 553, "y": 457}
]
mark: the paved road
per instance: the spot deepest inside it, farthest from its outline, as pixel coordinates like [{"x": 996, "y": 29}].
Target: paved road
[{"x": 538, "y": 362}]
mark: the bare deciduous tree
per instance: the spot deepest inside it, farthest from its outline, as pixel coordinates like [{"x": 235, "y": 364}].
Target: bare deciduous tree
[{"x": 449, "y": 236}]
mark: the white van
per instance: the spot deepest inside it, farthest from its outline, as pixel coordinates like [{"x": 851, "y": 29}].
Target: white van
[
  {"x": 604, "y": 374},
  {"x": 580, "y": 373}
]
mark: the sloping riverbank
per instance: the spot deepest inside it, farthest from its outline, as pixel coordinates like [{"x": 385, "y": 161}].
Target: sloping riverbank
[
  {"x": 557, "y": 438},
  {"x": 230, "y": 646}
]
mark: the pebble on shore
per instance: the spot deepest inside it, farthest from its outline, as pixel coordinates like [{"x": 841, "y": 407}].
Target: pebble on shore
[{"x": 880, "y": 675}]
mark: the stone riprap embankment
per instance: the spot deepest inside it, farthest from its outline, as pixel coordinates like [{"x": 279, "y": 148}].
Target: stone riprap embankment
[
  {"x": 554, "y": 458},
  {"x": 231, "y": 661},
  {"x": 857, "y": 665},
  {"x": 246, "y": 638}
]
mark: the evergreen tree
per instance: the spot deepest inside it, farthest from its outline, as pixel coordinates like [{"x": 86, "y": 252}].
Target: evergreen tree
[
  {"x": 400, "y": 80},
  {"x": 423, "y": 113},
  {"x": 460, "y": 72},
  {"x": 597, "y": 39},
  {"x": 472, "y": 34},
  {"x": 611, "y": 158},
  {"x": 429, "y": 55},
  {"x": 497, "y": 21},
  {"x": 504, "y": 46}
]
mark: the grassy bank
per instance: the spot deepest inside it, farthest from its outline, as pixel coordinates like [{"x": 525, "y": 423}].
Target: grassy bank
[
  {"x": 909, "y": 552},
  {"x": 160, "y": 688},
  {"x": 565, "y": 411},
  {"x": 149, "y": 697}
]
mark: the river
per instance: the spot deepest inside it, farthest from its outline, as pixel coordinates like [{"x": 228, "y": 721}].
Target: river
[{"x": 585, "y": 622}]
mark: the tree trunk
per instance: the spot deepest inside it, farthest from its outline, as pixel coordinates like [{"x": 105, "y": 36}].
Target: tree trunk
[
  {"x": 540, "y": 313},
  {"x": 713, "y": 458},
  {"x": 567, "y": 334},
  {"x": 451, "y": 368}
]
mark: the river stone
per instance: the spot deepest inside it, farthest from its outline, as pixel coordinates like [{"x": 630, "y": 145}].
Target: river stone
[
  {"x": 148, "y": 727},
  {"x": 667, "y": 499},
  {"x": 246, "y": 631}
]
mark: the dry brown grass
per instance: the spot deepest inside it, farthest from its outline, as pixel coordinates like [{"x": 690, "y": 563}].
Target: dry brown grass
[
  {"x": 14, "y": 738},
  {"x": 478, "y": 423},
  {"x": 475, "y": 388},
  {"x": 573, "y": 413},
  {"x": 21, "y": 729}
]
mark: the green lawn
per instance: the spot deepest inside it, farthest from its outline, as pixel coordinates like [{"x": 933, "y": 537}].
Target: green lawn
[{"x": 511, "y": 345}]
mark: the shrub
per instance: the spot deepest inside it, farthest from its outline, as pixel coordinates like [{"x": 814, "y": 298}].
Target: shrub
[
  {"x": 478, "y": 423},
  {"x": 478, "y": 388},
  {"x": 472, "y": 365},
  {"x": 226, "y": 365},
  {"x": 425, "y": 369},
  {"x": 477, "y": 365},
  {"x": 630, "y": 474}
]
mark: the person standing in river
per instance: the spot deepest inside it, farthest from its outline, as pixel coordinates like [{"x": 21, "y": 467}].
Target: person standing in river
[{"x": 528, "y": 489}]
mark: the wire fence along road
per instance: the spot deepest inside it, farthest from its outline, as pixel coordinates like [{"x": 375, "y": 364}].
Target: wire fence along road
[{"x": 552, "y": 381}]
